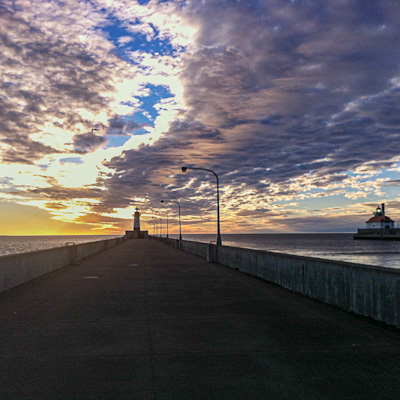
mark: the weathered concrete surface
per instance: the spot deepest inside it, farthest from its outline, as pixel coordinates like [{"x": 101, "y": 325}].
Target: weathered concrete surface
[
  {"x": 17, "y": 269},
  {"x": 146, "y": 321},
  {"x": 366, "y": 290}
]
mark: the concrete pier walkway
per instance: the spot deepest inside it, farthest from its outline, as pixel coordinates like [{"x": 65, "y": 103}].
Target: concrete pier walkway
[{"x": 146, "y": 321}]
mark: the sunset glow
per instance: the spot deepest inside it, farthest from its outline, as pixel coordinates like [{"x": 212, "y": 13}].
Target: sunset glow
[{"x": 295, "y": 104}]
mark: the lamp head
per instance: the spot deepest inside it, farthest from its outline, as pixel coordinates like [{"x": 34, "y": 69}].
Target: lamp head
[
  {"x": 162, "y": 201},
  {"x": 184, "y": 169}
]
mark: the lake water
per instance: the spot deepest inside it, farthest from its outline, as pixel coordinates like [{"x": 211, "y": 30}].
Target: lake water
[
  {"x": 23, "y": 244},
  {"x": 334, "y": 246}
]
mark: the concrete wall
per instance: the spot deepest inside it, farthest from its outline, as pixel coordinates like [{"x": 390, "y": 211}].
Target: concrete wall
[
  {"x": 366, "y": 290},
  {"x": 137, "y": 234},
  {"x": 197, "y": 248},
  {"x": 20, "y": 268},
  {"x": 374, "y": 234},
  {"x": 87, "y": 249}
]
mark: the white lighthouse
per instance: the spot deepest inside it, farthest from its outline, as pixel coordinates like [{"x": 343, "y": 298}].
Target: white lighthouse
[
  {"x": 379, "y": 227},
  {"x": 136, "y": 220},
  {"x": 380, "y": 220},
  {"x": 136, "y": 233}
]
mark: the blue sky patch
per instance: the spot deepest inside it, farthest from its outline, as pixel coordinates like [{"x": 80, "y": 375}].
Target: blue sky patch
[
  {"x": 74, "y": 160},
  {"x": 148, "y": 102},
  {"x": 118, "y": 29},
  {"x": 117, "y": 140}
]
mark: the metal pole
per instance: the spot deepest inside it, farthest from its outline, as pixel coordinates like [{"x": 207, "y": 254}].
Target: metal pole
[
  {"x": 167, "y": 222},
  {"x": 180, "y": 226},
  {"x": 219, "y": 240}
]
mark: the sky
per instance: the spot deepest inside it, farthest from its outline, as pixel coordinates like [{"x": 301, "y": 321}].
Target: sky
[{"x": 293, "y": 103}]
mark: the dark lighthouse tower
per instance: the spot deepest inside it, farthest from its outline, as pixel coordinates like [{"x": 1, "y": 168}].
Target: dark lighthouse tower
[{"x": 136, "y": 220}]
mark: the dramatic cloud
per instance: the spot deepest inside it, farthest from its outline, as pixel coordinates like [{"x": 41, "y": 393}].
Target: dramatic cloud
[{"x": 295, "y": 104}]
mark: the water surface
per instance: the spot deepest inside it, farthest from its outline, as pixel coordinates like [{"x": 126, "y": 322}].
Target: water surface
[{"x": 333, "y": 246}]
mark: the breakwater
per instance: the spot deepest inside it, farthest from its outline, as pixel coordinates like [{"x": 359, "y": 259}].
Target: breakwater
[
  {"x": 366, "y": 290},
  {"x": 378, "y": 234},
  {"x": 20, "y": 268}
]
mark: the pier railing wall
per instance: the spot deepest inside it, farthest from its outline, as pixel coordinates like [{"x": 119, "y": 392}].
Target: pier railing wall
[
  {"x": 20, "y": 268},
  {"x": 366, "y": 290}
]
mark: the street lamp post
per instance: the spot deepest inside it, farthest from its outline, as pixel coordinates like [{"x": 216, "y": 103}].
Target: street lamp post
[
  {"x": 159, "y": 223},
  {"x": 155, "y": 227},
  {"x": 167, "y": 222},
  {"x": 179, "y": 208},
  {"x": 219, "y": 241}
]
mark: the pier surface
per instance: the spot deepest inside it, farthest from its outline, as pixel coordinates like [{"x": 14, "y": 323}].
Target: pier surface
[{"x": 146, "y": 321}]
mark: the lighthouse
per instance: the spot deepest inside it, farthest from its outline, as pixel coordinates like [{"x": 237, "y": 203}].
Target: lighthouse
[
  {"x": 136, "y": 220},
  {"x": 380, "y": 220},
  {"x": 379, "y": 227},
  {"x": 136, "y": 233}
]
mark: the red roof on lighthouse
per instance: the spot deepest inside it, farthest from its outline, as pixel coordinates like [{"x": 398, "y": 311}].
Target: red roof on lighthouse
[{"x": 380, "y": 218}]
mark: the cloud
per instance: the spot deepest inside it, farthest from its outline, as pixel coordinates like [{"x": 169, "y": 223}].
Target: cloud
[
  {"x": 86, "y": 142},
  {"x": 55, "y": 192},
  {"x": 55, "y": 206},
  {"x": 24, "y": 151},
  {"x": 98, "y": 219},
  {"x": 278, "y": 93},
  {"x": 121, "y": 126},
  {"x": 59, "y": 75},
  {"x": 285, "y": 100}
]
